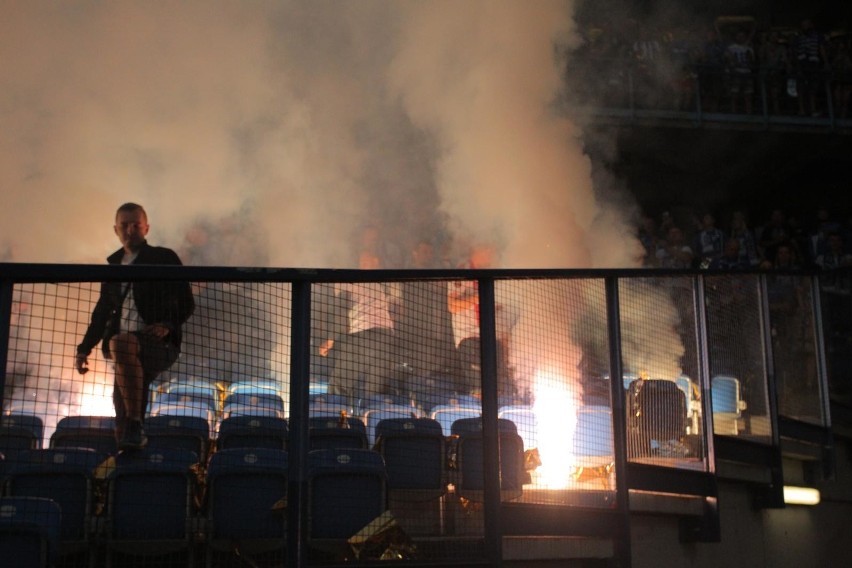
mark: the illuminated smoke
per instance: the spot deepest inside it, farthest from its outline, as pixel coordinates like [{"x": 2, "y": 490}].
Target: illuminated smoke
[
  {"x": 269, "y": 133},
  {"x": 300, "y": 120}
]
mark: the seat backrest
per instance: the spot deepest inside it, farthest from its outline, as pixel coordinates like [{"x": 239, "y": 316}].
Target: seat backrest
[
  {"x": 347, "y": 490},
  {"x": 179, "y": 432},
  {"x": 244, "y": 487},
  {"x": 188, "y": 410},
  {"x": 29, "y": 532},
  {"x": 30, "y": 422},
  {"x": 96, "y": 432},
  {"x": 177, "y": 423},
  {"x": 525, "y": 421},
  {"x": 325, "y": 409},
  {"x": 85, "y": 422},
  {"x": 181, "y": 394},
  {"x": 262, "y": 402},
  {"x": 64, "y": 475},
  {"x": 337, "y": 422},
  {"x": 447, "y": 414},
  {"x": 725, "y": 395},
  {"x": 468, "y": 426},
  {"x": 252, "y": 431},
  {"x": 17, "y": 439},
  {"x": 150, "y": 495},
  {"x": 657, "y": 408},
  {"x": 385, "y": 400},
  {"x": 414, "y": 451},
  {"x": 593, "y": 435},
  {"x": 256, "y": 386},
  {"x": 343, "y": 432},
  {"x": 375, "y": 415},
  {"x": 471, "y": 466}
]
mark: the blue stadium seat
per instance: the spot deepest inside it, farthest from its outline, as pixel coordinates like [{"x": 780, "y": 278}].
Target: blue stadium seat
[
  {"x": 470, "y": 482},
  {"x": 414, "y": 453},
  {"x": 66, "y": 476},
  {"x": 447, "y": 414},
  {"x": 328, "y": 432},
  {"x": 17, "y": 439},
  {"x": 246, "y": 489},
  {"x": 259, "y": 387},
  {"x": 524, "y": 419},
  {"x": 184, "y": 396},
  {"x": 323, "y": 404},
  {"x": 189, "y": 410},
  {"x": 150, "y": 504},
  {"x": 252, "y": 432},
  {"x": 29, "y": 532},
  {"x": 593, "y": 438},
  {"x": 179, "y": 432},
  {"x": 34, "y": 424},
  {"x": 96, "y": 432},
  {"x": 727, "y": 403},
  {"x": 373, "y": 416},
  {"x": 655, "y": 414},
  {"x": 347, "y": 490},
  {"x": 254, "y": 404}
]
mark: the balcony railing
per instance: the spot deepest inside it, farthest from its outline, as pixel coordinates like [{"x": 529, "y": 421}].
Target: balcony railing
[
  {"x": 699, "y": 95},
  {"x": 581, "y": 397}
]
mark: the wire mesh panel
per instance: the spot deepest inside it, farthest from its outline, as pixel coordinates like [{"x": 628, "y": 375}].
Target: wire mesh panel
[
  {"x": 238, "y": 342},
  {"x": 235, "y": 343},
  {"x": 557, "y": 346},
  {"x": 794, "y": 347},
  {"x": 660, "y": 358},
  {"x": 836, "y": 302},
  {"x": 738, "y": 388},
  {"x": 354, "y": 331},
  {"x": 399, "y": 365},
  {"x": 48, "y": 322}
]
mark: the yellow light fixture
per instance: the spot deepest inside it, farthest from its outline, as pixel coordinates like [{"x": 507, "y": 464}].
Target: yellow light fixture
[{"x": 800, "y": 495}]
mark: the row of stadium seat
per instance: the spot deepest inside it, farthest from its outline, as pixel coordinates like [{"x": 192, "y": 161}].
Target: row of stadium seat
[
  {"x": 157, "y": 501},
  {"x": 153, "y": 496}
]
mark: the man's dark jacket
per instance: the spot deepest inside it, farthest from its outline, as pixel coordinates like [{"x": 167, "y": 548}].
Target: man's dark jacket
[{"x": 167, "y": 303}]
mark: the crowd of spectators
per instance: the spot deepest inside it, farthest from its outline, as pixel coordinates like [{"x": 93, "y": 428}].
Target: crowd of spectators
[
  {"x": 778, "y": 240},
  {"x": 729, "y": 65}
]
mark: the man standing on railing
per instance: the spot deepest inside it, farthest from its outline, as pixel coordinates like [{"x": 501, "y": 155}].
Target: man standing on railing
[{"x": 138, "y": 324}]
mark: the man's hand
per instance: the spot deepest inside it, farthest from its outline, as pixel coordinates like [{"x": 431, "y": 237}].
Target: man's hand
[
  {"x": 82, "y": 363},
  {"x": 158, "y": 330},
  {"x": 326, "y": 346}
]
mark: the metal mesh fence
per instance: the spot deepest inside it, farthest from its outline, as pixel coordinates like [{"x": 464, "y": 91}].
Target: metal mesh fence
[
  {"x": 735, "y": 344},
  {"x": 662, "y": 378},
  {"x": 795, "y": 347},
  {"x": 397, "y": 456}
]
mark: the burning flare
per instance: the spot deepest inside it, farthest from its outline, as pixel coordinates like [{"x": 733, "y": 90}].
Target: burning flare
[{"x": 556, "y": 420}]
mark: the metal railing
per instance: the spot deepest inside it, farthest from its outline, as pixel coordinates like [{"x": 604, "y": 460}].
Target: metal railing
[{"x": 709, "y": 365}]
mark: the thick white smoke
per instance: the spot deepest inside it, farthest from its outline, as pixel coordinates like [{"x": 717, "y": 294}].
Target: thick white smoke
[
  {"x": 286, "y": 126},
  {"x": 270, "y": 132}
]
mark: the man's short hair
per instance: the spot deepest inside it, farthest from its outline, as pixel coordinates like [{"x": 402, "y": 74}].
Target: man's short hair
[{"x": 130, "y": 207}]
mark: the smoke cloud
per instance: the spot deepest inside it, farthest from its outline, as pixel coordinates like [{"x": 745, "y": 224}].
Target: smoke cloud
[{"x": 270, "y": 133}]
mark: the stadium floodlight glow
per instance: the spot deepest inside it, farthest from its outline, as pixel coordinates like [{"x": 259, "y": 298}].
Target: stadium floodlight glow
[{"x": 800, "y": 495}]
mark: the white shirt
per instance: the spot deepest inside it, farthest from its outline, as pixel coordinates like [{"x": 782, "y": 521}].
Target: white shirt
[
  {"x": 370, "y": 304},
  {"x": 130, "y": 320}
]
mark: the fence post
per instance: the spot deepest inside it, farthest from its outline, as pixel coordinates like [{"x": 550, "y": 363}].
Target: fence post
[
  {"x": 619, "y": 422},
  {"x": 5, "y": 328},
  {"x": 490, "y": 433},
  {"x": 297, "y": 486}
]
